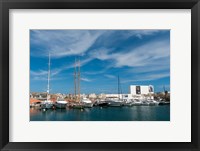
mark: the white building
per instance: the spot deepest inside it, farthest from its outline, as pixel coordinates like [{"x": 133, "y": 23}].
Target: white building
[
  {"x": 102, "y": 96},
  {"x": 136, "y": 92},
  {"x": 112, "y": 95},
  {"x": 121, "y": 96},
  {"x": 142, "y": 91},
  {"x": 92, "y": 96}
]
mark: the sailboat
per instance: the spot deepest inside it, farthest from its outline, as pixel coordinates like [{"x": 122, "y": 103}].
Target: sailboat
[
  {"x": 78, "y": 104},
  {"x": 47, "y": 104},
  {"x": 116, "y": 102}
]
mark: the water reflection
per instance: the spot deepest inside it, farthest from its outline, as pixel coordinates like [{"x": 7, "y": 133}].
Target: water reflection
[{"x": 135, "y": 113}]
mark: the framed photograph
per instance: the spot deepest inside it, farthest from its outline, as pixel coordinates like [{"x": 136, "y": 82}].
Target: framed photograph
[
  {"x": 100, "y": 69},
  {"x": 99, "y": 75}
]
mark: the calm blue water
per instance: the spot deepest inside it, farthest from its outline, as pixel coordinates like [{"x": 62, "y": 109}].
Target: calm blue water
[{"x": 134, "y": 113}]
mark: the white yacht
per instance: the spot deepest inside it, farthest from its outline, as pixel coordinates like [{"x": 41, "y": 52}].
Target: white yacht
[
  {"x": 87, "y": 102},
  {"x": 137, "y": 102},
  {"x": 153, "y": 102},
  {"x": 128, "y": 102},
  {"x": 61, "y": 103},
  {"x": 145, "y": 102}
]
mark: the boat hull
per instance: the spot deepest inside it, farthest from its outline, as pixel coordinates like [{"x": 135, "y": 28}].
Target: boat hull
[
  {"x": 46, "y": 106},
  {"x": 88, "y": 105},
  {"x": 60, "y": 105},
  {"x": 153, "y": 103},
  {"x": 78, "y": 106},
  {"x": 115, "y": 104},
  {"x": 128, "y": 104},
  {"x": 164, "y": 103},
  {"x": 103, "y": 104},
  {"x": 136, "y": 104}
]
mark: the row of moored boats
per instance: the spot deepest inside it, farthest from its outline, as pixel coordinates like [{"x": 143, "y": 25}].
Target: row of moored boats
[{"x": 87, "y": 103}]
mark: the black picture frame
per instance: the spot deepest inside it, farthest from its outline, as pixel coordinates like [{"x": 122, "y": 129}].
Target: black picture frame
[{"x": 5, "y": 5}]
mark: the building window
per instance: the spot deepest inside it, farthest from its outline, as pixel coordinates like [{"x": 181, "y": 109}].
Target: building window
[
  {"x": 138, "y": 90},
  {"x": 150, "y": 89}
]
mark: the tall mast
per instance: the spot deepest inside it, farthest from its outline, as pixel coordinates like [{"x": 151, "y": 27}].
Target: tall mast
[
  {"x": 75, "y": 79},
  {"x": 118, "y": 87},
  {"x": 79, "y": 80},
  {"x": 77, "y": 76},
  {"x": 48, "y": 89}
]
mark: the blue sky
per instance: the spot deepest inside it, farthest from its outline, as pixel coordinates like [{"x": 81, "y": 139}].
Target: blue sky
[{"x": 139, "y": 57}]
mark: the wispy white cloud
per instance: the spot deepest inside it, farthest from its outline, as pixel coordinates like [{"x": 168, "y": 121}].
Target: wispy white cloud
[
  {"x": 44, "y": 73},
  {"x": 109, "y": 76},
  {"x": 101, "y": 54},
  {"x": 39, "y": 78},
  {"x": 146, "y": 69},
  {"x": 139, "y": 33},
  {"x": 72, "y": 65},
  {"x": 43, "y": 78},
  {"x": 61, "y": 43},
  {"x": 151, "y": 54},
  {"x": 38, "y": 73},
  {"x": 147, "y": 77},
  {"x": 86, "y": 79},
  {"x": 97, "y": 72},
  {"x": 149, "y": 57}
]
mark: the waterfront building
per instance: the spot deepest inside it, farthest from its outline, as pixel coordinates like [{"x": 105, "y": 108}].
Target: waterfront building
[
  {"x": 113, "y": 95},
  {"x": 84, "y": 95},
  {"x": 101, "y": 96},
  {"x": 142, "y": 91},
  {"x": 92, "y": 96},
  {"x": 126, "y": 96}
]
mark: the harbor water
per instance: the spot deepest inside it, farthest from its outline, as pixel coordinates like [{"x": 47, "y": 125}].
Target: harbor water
[{"x": 124, "y": 113}]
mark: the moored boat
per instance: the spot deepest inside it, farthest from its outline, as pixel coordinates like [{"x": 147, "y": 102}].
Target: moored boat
[
  {"x": 164, "y": 103},
  {"x": 87, "y": 103},
  {"x": 137, "y": 102},
  {"x": 61, "y": 103},
  {"x": 78, "y": 106},
  {"x": 128, "y": 102},
  {"x": 115, "y": 103},
  {"x": 47, "y": 104},
  {"x": 103, "y": 104},
  {"x": 153, "y": 102}
]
